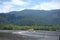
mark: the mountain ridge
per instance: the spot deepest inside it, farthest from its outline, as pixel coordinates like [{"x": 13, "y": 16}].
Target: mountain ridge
[{"x": 31, "y": 17}]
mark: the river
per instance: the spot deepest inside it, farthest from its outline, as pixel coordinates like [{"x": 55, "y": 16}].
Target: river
[{"x": 22, "y": 35}]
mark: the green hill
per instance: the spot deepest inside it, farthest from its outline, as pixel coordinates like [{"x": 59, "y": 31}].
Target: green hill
[{"x": 29, "y": 17}]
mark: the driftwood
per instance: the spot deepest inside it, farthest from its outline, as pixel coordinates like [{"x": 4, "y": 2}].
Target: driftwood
[{"x": 30, "y": 30}]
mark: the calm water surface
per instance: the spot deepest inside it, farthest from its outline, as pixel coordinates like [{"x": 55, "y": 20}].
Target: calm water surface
[{"x": 22, "y": 35}]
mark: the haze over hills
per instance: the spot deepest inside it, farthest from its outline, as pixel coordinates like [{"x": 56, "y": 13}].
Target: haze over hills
[{"x": 31, "y": 17}]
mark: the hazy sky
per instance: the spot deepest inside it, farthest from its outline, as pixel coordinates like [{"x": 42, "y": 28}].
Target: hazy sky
[{"x": 18, "y": 5}]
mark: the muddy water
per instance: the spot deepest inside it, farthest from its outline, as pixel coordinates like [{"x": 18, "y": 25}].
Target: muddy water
[{"x": 22, "y": 35}]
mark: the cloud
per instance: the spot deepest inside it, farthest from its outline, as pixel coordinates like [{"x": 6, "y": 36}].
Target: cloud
[
  {"x": 54, "y": 4},
  {"x": 18, "y": 2},
  {"x": 12, "y": 5},
  {"x": 5, "y": 8},
  {"x": 18, "y": 5}
]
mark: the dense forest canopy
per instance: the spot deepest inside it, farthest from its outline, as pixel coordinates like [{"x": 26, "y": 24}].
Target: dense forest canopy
[
  {"x": 36, "y": 19},
  {"x": 31, "y": 17}
]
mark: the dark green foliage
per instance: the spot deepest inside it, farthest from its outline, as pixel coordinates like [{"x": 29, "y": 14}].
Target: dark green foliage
[
  {"x": 26, "y": 19},
  {"x": 31, "y": 17},
  {"x": 14, "y": 27}
]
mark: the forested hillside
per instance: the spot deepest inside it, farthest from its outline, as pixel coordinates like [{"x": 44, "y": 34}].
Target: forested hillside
[{"x": 29, "y": 17}]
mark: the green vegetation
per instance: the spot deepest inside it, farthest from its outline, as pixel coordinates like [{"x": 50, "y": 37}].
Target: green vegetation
[
  {"x": 14, "y": 27},
  {"x": 27, "y": 19}
]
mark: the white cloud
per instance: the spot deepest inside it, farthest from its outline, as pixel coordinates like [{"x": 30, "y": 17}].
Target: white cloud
[
  {"x": 47, "y": 5},
  {"x": 19, "y": 2},
  {"x": 5, "y": 7},
  {"x": 8, "y": 6}
]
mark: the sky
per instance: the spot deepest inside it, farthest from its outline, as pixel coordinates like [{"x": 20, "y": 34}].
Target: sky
[{"x": 18, "y": 5}]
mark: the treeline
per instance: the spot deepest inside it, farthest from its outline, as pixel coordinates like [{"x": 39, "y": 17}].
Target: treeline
[{"x": 14, "y": 27}]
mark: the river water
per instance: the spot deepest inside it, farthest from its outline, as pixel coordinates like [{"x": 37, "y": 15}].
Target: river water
[{"x": 35, "y": 35}]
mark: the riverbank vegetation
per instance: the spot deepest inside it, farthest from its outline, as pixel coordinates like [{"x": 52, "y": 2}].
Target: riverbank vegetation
[{"x": 15, "y": 27}]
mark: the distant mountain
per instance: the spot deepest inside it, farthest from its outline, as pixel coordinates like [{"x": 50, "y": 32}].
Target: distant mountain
[{"x": 31, "y": 17}]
